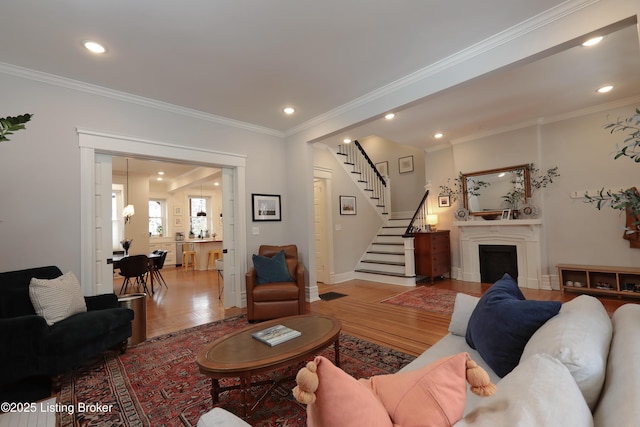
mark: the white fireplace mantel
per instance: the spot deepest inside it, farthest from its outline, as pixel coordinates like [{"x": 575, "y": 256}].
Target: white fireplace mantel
[{"x": 524, "y": 234}]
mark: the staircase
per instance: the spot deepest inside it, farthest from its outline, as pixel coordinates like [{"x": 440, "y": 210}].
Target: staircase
[
  {"x": 389, "y": 258},
  {"x": 373, "y": 185}
]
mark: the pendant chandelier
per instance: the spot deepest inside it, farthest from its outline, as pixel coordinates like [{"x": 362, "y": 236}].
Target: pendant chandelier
[
  {"x": 201, "y": 213},
  {"x": 128, "y": 210}
]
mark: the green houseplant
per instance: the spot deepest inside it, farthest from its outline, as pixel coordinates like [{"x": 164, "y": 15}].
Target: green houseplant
[
  {"x": 11, "y": 124},
  {"x": 627, "y": 200}
]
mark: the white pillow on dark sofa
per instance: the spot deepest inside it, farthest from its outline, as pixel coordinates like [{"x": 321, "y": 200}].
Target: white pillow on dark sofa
[{"x": 56, "y": 299}]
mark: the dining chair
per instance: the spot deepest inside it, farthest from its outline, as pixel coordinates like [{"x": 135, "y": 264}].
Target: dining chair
[
  {"x": 158, "y": 263},
  {"x": 134, "y": 269}
]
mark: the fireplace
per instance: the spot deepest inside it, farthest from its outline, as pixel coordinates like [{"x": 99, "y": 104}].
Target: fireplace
[
  {"x": 496, "y": 260},
  {"x": 524, "y": 235}
]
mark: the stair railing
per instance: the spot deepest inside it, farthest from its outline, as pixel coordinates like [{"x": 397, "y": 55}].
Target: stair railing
[
  {"x": 419, "y": 221},
  {"x": 367, "y": 171}
]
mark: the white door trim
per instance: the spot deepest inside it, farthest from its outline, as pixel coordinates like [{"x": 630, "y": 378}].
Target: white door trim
[{"x": 91, "y": 142}]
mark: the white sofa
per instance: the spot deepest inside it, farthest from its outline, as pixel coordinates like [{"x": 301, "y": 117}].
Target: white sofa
[{"x": 581, "y": 368}]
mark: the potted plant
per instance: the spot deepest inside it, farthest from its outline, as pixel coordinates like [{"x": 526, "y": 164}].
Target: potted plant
[
  {"x": 10, "y": 124},
  {"x": 517, "y": 197},
  {"x": 627, "y": 200}
]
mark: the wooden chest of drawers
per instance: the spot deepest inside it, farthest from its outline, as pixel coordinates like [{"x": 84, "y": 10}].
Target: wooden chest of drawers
[{"x": 432, "y": 254}]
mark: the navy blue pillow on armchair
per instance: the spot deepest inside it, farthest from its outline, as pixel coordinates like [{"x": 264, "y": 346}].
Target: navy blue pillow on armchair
[
  {"x": 271, "y": 270},
  {"x": 502, "y": 323}
]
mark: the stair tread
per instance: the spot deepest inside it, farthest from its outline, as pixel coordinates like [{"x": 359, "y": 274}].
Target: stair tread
[
  {"x": 384, "y": 273},
  {"x": 388, "y": 243},
  {"x": 369, "y": 261},
  {"x": 385, "y": 253}
]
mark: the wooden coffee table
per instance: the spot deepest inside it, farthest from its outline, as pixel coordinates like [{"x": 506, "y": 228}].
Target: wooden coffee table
[{"x": 239, "y": 355}]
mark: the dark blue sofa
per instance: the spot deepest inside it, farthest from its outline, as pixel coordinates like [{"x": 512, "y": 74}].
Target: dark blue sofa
[{"x": 32, "y": 352}]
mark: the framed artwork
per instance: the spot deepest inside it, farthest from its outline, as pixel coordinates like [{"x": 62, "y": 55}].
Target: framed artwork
[
  {"x": 444, "y": 201},
  {"x": 506, "y": 214},
  {"x": 405, "y": 164},
  {"x": 266, "y": 207},
  {"x": 383, "y": 168},
  {"x": 177, "y": 222},
  {"x": 347, "y": 205},
  {"x": 177, "y": 210}
]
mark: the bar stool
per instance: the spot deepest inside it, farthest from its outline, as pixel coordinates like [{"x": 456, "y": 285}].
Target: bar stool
[
  {"x": 189, "y": 254},
  {"x": 214, "y": 254}
]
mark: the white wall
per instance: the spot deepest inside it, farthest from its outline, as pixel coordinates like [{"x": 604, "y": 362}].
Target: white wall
[
  {"x": 407, "y": 189},
  {"x": 40, "y": 173}
]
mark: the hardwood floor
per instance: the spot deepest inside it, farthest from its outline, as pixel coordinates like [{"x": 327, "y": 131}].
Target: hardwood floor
[{"x": 192, "y": 299}]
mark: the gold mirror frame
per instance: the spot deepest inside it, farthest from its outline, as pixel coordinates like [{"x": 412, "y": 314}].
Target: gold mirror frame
[{"x": 494, "y": 196}]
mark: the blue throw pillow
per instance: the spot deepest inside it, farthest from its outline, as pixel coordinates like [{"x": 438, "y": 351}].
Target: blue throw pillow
[
  {"x": 271, "y": 270},
  {"x": 502, "y": 323}
]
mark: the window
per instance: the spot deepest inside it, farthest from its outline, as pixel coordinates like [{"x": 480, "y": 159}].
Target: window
[
  {"x": 157, "y": 217},
  {"x": 199, "y": 225}
]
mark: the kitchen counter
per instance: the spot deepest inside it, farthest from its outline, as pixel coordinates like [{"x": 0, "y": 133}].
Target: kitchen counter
[{"x": 202, "y": 248}]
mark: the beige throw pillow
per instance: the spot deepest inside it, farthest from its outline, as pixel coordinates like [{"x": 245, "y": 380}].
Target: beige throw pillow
[{"x": 56, "y": 299}]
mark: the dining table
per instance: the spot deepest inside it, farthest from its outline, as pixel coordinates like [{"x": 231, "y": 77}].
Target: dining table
[{"x": 115, "y": 260}]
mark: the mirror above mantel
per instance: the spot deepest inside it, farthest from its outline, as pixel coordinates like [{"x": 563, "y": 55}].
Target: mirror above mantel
[{"x": 486, "y": 192}]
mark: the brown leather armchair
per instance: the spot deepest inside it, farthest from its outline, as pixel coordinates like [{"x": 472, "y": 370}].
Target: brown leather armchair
[{"x": 273, "y": 300}]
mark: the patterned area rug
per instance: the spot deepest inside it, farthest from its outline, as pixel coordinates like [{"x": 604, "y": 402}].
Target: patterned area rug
[
  {"x": 157, "y": 383},
  {"x": 427, "y": 298}
]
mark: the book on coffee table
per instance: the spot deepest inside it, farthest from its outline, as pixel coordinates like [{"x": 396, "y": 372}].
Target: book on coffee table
[{"x": 276, "y": 335}]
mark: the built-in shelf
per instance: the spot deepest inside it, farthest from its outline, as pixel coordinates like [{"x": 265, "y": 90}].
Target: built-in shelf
[{"x": 599, "y": 280}]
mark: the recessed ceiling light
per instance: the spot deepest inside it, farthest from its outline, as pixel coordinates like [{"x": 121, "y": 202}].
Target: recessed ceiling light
[
  {"x": 160, "y": 173},
  {"x": 216, "y": 183},
  {"x": 94, "y": 47},
  {"x": 593, "y": 41},
  {"x": 605, "y": 89},
  {"x": 289, "y": 110},
  {"x": 438, "y": 135},
  {"x": 389, "y": 116},
  {"x": 159, "y": 178},
  {"x": 346, "y": 141}
]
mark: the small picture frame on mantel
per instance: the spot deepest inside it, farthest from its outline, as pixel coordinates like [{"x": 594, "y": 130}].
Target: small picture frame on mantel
[{"x": 506, "y": 214}]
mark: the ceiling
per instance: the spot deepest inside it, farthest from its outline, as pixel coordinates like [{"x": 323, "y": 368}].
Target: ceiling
[{"x": 245, "y": 60}]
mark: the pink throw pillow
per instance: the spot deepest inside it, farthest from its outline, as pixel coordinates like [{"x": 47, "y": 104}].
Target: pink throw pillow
[
  {"x": 432, "y": 396},
  {"x": 428, "y": 397},
  {"x": 342, "y": 401}
]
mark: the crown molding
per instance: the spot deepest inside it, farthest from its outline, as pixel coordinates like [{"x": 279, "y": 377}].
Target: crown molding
[
  {"x": 634, "y": 100},
  {"x": 67, "y": 83},
  {"x": 534, "y": 23}
]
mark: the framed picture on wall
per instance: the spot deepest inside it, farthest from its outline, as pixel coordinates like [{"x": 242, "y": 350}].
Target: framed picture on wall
[
  {"x": 405, "y": 164},
  {"x": 266, "y": 207},
  {"x": 383, "y": 168},
  {"x": 347, "y": 205},
  {"x": 177, "y": 222},
  {"x": 177, "y": 210},
  {"x": 444, "y": 201}
]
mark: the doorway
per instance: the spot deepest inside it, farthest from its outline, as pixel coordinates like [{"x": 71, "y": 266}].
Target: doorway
[
  {"x": 96, "y": 147},
  {"x": 323, "y": 225}
]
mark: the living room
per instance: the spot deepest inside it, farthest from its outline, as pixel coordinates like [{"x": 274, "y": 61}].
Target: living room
[{"x": 73, "y": 122}]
